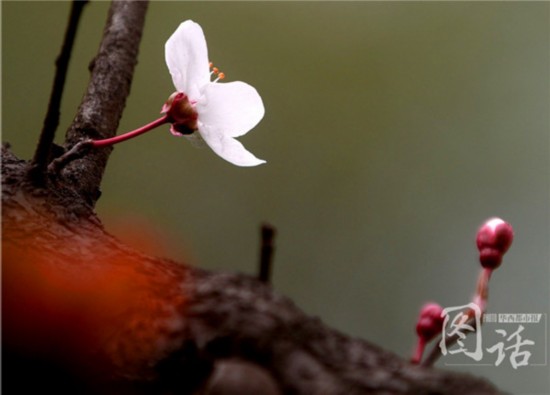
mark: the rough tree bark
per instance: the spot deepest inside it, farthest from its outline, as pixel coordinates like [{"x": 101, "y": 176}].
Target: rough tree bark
[{"x": 83, "y": 313}]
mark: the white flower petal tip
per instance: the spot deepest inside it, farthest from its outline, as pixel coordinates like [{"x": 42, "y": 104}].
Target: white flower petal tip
[
  {"x": 228, "y": 148},
  {"x": 248, "y": 160},
  {"x": 223, "y": 110},
  {"x": 234, "y": 152}
]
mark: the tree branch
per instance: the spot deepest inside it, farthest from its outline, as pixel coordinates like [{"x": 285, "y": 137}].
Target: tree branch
[
  {"x": 128, "y": 323},
  {"x": 45, "y": 141},
  {"x": 101, "y": 109}
]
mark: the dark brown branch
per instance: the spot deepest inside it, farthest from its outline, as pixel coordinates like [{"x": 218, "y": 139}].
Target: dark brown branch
[
  {"x": 101, "y": 109},
  {"x": 163, "y": 327},
  {"x": 43, "y": 148},
  {"x": 266, "y": 252}
]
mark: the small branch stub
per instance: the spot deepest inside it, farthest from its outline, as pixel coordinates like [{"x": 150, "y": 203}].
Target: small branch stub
[{"x": 266, "y": 252}]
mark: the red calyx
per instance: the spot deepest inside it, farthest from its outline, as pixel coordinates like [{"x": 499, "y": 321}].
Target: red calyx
[{"x": 181, "y": 113}]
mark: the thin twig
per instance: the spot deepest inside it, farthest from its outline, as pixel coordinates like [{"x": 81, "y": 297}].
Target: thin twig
[
  {"x": 76, "y": 152},
  {"x": 42, "y": 153},
  {"x": 266, "y": 252}
]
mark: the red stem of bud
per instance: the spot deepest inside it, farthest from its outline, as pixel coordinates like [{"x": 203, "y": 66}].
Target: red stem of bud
[
  {"x": 126, "y": 136},
  {"x": 417, "y": 356},
  {"x": 482, "y": 290}
]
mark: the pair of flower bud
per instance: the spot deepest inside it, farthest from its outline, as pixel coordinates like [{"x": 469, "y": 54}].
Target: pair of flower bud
[{"x": 493, "y": 239}]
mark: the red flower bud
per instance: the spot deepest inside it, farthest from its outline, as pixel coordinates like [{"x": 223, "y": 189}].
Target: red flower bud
[
  {"x": 430, "y": 321},
  {"x": 493, "y": 240}
]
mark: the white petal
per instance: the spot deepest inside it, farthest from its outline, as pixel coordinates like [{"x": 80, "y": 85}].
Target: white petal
[
  {"x": 227, "y": 147},
  {"x": 233, "y": 108},
  {"x": 187, "y": 59}
]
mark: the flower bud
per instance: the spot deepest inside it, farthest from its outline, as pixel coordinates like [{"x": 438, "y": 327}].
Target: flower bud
[
  {"x": 493, "y": 240},
  {"x": 430, "y": 321}
]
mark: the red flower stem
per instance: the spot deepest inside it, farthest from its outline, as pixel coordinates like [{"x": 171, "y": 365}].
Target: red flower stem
[
  {"x": 126, "y": 136},
  {"x": 482, "y": 291},
  {"x": 419, "y": 351}
]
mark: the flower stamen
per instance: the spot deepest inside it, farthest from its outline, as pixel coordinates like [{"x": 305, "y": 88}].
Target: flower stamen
[{"x": 216, "y": 72}]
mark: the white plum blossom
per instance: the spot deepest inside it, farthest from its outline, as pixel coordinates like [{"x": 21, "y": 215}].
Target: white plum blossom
[{"x": 209, "y": 110}]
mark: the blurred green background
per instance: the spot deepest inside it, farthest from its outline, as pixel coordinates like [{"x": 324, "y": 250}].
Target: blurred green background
[{"x": 392, "y": 131}]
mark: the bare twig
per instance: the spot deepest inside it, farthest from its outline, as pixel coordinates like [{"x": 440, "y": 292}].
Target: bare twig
[
  {"x": 42, "y": 153},
  {"x": 76, "y": 152},
  {"x": 266, "y": 252}
]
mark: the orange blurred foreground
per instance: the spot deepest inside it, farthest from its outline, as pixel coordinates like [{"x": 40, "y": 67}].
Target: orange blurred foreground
[{"x": 77, "y": 313}]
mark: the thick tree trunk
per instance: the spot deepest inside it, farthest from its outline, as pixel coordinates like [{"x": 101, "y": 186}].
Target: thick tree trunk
[{"x": 83, "y": 313}]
